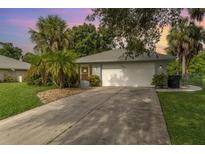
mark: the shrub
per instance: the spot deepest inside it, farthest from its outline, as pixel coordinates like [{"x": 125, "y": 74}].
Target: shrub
[
  {"x": 94, "y": 80},
  {"x": 174, "y": 68},
  {"x": 8, "y": 78},
  {"x": 61, "y": 66},
  {"x": 160, "y": 80},
  {"x": 72, "y": 81},
  {"x": 196, "y": 79},
  {"x": 33, "y": 79},
  {"x": 197, "y": 64}
]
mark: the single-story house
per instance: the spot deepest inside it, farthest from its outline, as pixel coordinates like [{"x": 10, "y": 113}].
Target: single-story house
[
  {"x": 12, "y": 67},
  {"x": 114, "y": 69}
]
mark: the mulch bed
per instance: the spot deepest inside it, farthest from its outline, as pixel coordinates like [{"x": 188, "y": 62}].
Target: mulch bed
[{"x": 55, "y": 94}]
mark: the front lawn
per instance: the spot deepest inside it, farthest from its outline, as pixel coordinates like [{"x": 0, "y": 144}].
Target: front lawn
[
  {"x": 185, "y": 116},
  {"x": 18, "y": 97}
]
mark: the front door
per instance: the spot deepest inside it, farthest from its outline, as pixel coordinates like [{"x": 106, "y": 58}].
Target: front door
[{"x": 84, "y": 73}]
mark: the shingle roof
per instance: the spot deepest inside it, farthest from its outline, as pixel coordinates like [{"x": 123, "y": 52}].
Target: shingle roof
[
  {"x": 116, "y": 55},
  {"x": 10, "y": 63}
]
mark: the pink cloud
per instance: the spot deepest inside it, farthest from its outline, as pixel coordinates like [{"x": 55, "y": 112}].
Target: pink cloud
[
  {"x": 58, "y": 11},
  {"x": 184, "y": 13},
  {"x": 160, "y": 49},
  {"x": 79, "y": 21},
  {"x": 87, "y": 11},
  {"x": 74, "y": 21},
  {"x": 26, "y": 47},
  {"x": 22, "y": 22}
]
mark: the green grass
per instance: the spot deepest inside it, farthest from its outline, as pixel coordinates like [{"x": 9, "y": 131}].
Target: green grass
[
  {"x": 185, "y": 116},
  {"x": 18, "y": 97}
]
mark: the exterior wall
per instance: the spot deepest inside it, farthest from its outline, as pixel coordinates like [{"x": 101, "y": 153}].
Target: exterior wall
[
  {"x": 161, "y": 67},
  {"x": 15, "y": 74},
  {"x": 96, "y": 70},
  {"x": 128, "y": 74},
  {"x": 138, "y": 74}
]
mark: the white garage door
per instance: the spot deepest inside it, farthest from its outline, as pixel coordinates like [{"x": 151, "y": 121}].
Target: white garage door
[{"x": 128, "y": 74}]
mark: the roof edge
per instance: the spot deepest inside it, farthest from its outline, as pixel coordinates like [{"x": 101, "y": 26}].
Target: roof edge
[{"x": 121, "y": 61}]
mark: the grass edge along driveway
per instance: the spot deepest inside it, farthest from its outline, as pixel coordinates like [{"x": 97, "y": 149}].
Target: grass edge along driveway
[
  {"x": 185, "y": 116},
  {"x": 18, "y": 97}
]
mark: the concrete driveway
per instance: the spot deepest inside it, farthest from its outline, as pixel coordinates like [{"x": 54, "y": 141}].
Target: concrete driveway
[{"x": 99, "y": 116}]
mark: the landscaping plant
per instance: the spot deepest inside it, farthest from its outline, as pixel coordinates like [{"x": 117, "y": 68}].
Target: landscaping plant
[
  {"x": 33, "y": 79},
  {"x": 160, "y": 80},
  {"x": 39, "y": 68},
  {"x": 174, "y": 68},
  {"x": 185, "y": 40},
  {"x": 95, "y": 80},
  {"x": 8, "y": 78},
  {"x": 73, "y": 80},
  {"x": 61, "y": 66}
]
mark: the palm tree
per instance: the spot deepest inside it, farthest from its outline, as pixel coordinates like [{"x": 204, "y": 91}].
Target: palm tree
[
  {"x": 39, "y": 66},
  {"x": 52, "y": 34},
  {"x": 62, "y": 65},
  {"x": 185, "y": 40},
  {"x": 197, "y": 13}
]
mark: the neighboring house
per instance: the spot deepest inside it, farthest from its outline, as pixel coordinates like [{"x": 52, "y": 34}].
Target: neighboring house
[
  {"x": 115, "y": 70},
  {"x": 12, "y": 67}
]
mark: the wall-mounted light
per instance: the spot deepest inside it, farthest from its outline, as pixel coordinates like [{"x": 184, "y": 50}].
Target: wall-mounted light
[
  {"x": 160, "y": 67},
  {"x": 84, "y": 70}
]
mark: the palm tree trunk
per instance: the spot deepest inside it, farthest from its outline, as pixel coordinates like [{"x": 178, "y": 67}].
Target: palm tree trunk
[
  {"x": 184, "y": 70},
  {"x": 43, "y": 77},
  {"x": 61, "y": 79}
]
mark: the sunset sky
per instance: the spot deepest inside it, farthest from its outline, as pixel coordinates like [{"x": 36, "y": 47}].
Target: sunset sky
[{"x": 15, "y": 23}]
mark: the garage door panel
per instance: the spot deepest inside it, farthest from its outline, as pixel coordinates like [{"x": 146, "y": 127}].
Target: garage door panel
[{"x": 133, "y": 74}]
